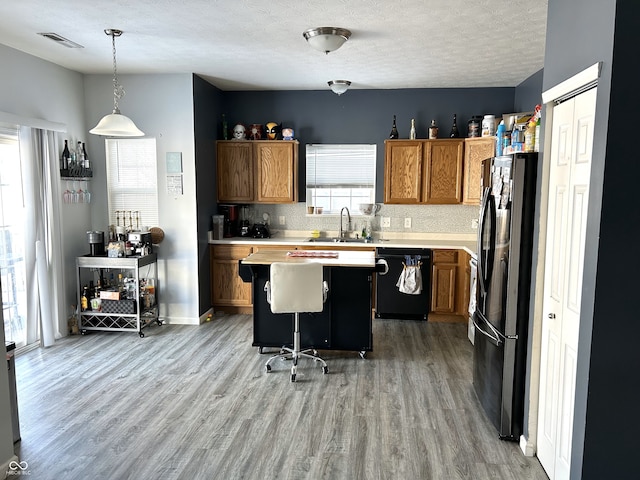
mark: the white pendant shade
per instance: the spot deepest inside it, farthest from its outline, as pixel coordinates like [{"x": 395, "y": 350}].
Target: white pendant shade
[
  {"x": 116, "y": 125},
  {"x": 326, "y": 39},
  {"x": 339, "y": 86}
]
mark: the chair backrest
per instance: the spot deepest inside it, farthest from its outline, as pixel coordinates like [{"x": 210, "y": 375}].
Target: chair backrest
[{"x": 296, "y": 287}]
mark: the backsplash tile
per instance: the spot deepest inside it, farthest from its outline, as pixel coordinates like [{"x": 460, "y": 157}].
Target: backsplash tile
[{"x": 424, "y": 218}]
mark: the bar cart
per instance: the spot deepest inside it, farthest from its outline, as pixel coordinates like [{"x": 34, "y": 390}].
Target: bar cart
[{"x": 130, "y": 314}]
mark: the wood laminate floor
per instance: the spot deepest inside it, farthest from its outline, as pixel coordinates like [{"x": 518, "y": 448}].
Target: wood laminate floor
[{"x": 194, "y": 402}]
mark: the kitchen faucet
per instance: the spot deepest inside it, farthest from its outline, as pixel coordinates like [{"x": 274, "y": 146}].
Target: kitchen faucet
[{"x": 343, "y": 233}]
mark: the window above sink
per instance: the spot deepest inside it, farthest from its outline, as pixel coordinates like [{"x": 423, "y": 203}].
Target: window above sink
[{"x": 339, "y": 175}]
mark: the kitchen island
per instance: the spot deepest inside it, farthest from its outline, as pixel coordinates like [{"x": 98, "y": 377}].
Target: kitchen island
[{"x": 344, "y": 323}]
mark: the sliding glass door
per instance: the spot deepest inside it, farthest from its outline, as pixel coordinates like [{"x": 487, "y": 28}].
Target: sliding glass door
[{"x": 12, "y": 224}]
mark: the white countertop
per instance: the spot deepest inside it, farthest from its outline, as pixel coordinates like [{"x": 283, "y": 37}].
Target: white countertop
[{"x": 467, "y": 243}]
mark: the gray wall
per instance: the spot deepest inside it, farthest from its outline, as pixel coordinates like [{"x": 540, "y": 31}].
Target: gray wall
[
  {"x": 579, "y": 34},
  {"x": 162, "y": 107},
  {"x": 207, "y": 101},
  {"x": 364, "y": 116}
]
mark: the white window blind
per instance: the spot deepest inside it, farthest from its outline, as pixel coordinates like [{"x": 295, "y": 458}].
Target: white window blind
[
  {"x": 132, "y": 179},
  {"x": 341, "y": 166},
  {"x": 339, "y": 176}
]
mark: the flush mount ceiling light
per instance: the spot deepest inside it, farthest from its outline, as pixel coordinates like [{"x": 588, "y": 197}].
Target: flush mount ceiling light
[
  {"x": 326, "y": 39},
  {"x": 339, "y": 86},
  {"x": 115, "y": 124}
]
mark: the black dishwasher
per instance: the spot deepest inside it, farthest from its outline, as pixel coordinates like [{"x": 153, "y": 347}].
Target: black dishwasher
[{"x": 390, "y": 301}]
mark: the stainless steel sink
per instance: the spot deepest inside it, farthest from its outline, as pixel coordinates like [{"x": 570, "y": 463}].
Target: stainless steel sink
[{"x": 337, "y": 240}]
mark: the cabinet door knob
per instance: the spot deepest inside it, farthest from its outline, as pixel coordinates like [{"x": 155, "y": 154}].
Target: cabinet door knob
[{"x": 552, "y": 316}]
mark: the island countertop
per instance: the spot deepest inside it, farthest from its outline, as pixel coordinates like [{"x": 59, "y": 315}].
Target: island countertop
[
  {"x": 334, "y": 258},
  {"x": 467, "y": 243}
]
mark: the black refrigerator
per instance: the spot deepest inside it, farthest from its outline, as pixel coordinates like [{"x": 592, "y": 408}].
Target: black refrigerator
[{"x": 501, "y": 319}]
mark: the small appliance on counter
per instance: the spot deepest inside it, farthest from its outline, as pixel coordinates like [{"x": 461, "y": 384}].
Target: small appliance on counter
[
  {"x": 140, "y": 243},
  {"x": 96, "y": 243},
  {"x": 230, "y": 213},
  {"x": 260, "y": 230},
  {"x": 245, "y": 224}
]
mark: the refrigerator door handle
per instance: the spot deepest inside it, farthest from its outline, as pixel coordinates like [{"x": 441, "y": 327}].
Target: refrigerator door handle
[
  {"x": 485, "y": 262},
  {"x": 495, "y": 336}
]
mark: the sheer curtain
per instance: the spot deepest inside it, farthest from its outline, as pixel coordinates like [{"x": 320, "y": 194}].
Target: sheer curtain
[{"x": 43, "y": 253}]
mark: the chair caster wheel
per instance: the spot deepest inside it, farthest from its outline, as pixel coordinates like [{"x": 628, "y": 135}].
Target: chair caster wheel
[
  {"x": 325, "y": 370},
  {"x": 141, "y": 335},
  {"x": 267, "y": 368},
  {"x": 293, "y": 377}
]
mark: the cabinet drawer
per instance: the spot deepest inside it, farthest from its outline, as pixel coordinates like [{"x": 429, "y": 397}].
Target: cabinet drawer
[
  {"x": 445, "y": 256},
  {"x": 231, "y": 251}
]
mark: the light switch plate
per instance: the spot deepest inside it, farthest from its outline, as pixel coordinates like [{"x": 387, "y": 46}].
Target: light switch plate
[
  {"x": 281, "y": 220},
  {"x": 386, "y": 222},
  {"x": 407, "y": 222}
]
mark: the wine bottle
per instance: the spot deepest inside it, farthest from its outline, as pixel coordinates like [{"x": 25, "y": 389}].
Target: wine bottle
[
  {"x": 454, "y": 128},
  {"x": 394, "y": 130},
  {"x": 66, "y": 156},
  {"x": 87, "y": 164},
  {"x": 79, "y": 155},
  {"x": 433, "y": 130},
  {"x": 412, "y": 132}
]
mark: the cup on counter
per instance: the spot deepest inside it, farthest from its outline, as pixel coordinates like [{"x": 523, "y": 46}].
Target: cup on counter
[
  {"x": 318, "y": 210},
  {"x": 310, "y": 210}
]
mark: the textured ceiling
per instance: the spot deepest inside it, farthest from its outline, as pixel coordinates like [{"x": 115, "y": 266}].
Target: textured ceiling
[{"x": 258, "y": 45}]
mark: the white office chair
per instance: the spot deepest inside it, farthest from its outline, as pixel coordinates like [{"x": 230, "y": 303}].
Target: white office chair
[{"x": 296, "y": 288}]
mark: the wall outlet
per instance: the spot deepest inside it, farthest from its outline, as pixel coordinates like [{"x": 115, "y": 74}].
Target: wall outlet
[
  {"x": 386, "y": 222},
  {"x": 281, "y": 220},
  {"x": 474, "y": 223},
  {"x": 407, "y": 222}
]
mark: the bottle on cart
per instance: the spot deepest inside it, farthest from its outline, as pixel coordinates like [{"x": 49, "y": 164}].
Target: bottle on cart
[{"x": 84, "y": 299}]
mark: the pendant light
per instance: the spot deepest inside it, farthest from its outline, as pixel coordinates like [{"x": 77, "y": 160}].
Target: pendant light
[
  {"x": 339, "y": 86},
  {"x": 115, "y": 124}
]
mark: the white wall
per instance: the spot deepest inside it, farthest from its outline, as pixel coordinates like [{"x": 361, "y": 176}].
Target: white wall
[{"x": 162, "y": 107}]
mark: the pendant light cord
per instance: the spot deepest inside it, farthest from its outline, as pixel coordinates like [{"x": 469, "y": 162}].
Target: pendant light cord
[{"x": 118, "y": 90}]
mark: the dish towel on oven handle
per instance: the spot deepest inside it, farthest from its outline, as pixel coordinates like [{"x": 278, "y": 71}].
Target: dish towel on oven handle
[{"x": 410, "y": 280}]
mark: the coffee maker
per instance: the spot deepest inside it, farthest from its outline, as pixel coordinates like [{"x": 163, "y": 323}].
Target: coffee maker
[
  {"x": 245, "y": 223},
  {"x": 96, "y": 243},
  {"x": 230, "y": 213}
]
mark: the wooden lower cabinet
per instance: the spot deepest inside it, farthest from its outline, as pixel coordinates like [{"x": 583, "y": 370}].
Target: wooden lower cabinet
[
  {"x": 443, "y": 277},
  {"x": 450, "y": 282},
  {"x": 228, "y": 292}
]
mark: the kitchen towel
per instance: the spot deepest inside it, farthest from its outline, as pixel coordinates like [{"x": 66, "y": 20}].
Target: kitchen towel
[{"x": 410, "y": 280}]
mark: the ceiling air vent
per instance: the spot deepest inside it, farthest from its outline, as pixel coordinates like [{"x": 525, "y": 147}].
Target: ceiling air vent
[{"x": 60, "y": 40}]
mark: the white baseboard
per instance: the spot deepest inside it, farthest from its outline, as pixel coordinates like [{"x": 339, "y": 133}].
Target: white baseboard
[
  {"x": 528, "y": 449},
  {"x": 6, "y": 472}
]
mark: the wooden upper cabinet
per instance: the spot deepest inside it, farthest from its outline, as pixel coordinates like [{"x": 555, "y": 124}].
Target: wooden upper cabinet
[
  {"x": 234, "y": 168},
  {"x": 262, "y": 171},
  {"x": 475, "y": 151},
  {"x": 277, "y": 166},
  {"x": 443, "y": 171},
  {"x": 403, "y": 170}
]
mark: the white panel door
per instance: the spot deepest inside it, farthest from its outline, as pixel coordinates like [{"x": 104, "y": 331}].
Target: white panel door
[{"x": 570, "y": 170}]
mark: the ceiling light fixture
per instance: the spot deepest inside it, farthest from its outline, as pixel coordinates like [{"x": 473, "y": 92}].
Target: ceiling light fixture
[
  {"x": 339, "y": 86},
  {"x": 115, "y": 124},
  {"x": 326, "y": 39}
]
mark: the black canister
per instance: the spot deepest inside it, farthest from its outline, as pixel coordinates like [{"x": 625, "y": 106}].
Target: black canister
[
  {"x": 473, "y": 127},
  {"x": 96, "y": 243}
]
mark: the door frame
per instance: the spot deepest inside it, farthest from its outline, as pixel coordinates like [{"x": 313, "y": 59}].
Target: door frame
[{"x": 571, "y": 87}]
